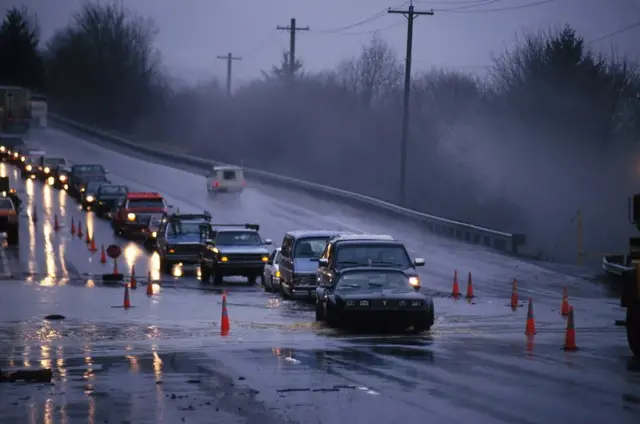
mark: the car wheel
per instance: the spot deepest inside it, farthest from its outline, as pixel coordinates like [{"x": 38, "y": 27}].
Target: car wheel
[
  {"x": 205, "y": 275},
  {"x": 426, "y": 322},
  {"x": 333, "y": 317},
  {"x": 267, "y": 283},
  {"x": 319, "y": 311}
]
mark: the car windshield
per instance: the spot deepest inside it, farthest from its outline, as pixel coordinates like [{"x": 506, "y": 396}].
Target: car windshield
[
  {"x": 113, "y": 190},
  {"x": 238, "y": 238},
  {"x": 93, "y": 186},
  {"x": 146, "y": 203},
  {"x": 364, "y": 280},
  {"x": 181, "y": 228},
  {"x": 53, "y": 162},
  {"x": 6, "y": 204},
  {"x": 88, "y": 169},
  {"x": 368, "y": 254},
  {"x": 310, "y": 247}
]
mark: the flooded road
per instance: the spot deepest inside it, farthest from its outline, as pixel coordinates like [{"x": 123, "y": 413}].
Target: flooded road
[{"x": 164, "y": 360}]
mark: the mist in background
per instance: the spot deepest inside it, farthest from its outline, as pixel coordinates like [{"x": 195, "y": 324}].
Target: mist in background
[{"x": 518, "y": 120}]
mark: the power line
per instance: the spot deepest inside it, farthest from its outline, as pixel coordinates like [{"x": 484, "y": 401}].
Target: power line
[
  {"x": 470, "y": 5},
  {"x": 371, "y": 18},
  {"x": 293, "y": 29},
  {"x": 411, "y": 14},
  {"x": 501, "y": 9},
  {"x": 617, "y": 32},
  {"x": 229, "y": 58},
  {"x": 371, "y": 31}
]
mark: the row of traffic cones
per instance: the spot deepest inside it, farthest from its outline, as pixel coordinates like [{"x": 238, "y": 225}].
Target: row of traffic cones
[
  {"x": 77, "y": 231},
  {"x": 566, "y": 310},
  {"x": 225, "y": 325},
  {"x": 570, "y": 333}
]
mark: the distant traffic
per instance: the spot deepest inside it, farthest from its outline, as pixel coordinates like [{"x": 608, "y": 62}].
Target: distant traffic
[{"x": 351, "y": 277}]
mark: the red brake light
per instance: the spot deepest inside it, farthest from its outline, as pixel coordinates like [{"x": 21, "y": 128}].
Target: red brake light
[{"x": 216, "y": 184}]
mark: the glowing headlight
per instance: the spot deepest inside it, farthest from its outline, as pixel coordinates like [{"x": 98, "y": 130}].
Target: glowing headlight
[
  {"x": 131, "y": 217},
  {"x": 416, "y": 303},
  {"x": 66, "y": 186},
  {"x": 224, "y": 259},
  {"x": 15, "y": 155},
  {"x": 82, "y": 189},
  {"x": 154, "y": 234},
  {"x": 63, "y": 178},
  {"x": 50, "y": 180},
  {"x": 265, "y": 258},
  {"x": 278, "y": 274},
  {"x": 29, "y": 168},
  {"x": 3, "y": 149},
  {"x": 23, "y": 159},
  {"x": 4, "y": 194},
  {"x": 414, "y": 281},
  {"x": 47, "y": 169},
  {"x": 90, "y": 199}
]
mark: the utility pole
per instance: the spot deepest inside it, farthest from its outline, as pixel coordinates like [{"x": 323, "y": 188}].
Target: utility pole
[
  {"x": 410, "y": 14},
  {"x": 292, "y": 28},
  {"x": 229, "y": 58}
]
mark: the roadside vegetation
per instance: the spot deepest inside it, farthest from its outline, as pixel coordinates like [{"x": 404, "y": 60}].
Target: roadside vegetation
[{"x": 551, "y": 130}]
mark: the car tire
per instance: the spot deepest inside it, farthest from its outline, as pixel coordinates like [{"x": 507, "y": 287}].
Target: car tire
[
  {"x": 268, "y": 287},
  {"x": 217, "y": 278},
  {"x": 319, "y": 311},
  {"x": 633, "y": 328},
  {"x": 205, "y": 276},
  {"x": 332, "y": 316}
]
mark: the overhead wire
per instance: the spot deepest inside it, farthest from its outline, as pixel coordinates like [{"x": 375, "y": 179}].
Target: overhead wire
[
  {"x": 616, "y": 32},
  {"x": 501, "y": 9},
  {"x": 371, "y": 18}
]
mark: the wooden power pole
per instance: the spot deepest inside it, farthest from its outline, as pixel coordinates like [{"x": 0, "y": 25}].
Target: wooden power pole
[{"x": 229, "y": 58}]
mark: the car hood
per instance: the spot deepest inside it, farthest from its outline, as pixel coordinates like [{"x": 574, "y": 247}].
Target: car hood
[
  {"x": 243, "y": 249},
  {"x": 380, "y": 293},
  {"x": 183, "y": 238},
  {"x": 305, "y": 265},
  {"x": 145, "y": 210}
]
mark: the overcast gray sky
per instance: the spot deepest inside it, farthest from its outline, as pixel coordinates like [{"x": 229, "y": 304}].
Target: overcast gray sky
[{"x": 194, "y": 32}]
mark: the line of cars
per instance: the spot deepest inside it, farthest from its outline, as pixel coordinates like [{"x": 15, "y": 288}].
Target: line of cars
[{"x": 351, "y": 277}]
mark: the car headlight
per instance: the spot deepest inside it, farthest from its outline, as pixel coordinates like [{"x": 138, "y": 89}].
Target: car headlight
[
  {"x": 414, "y": 281},
  {"x": 82, "y": 189},
  {"x": 66, "y": 186},
  {"x": 265, "y": 259},
  {"x": 3, "y": 149},
  {"x": 131, "y": 217},
  {"x": 47, "y": 169},
  {"x": 50, "y": 180},
  {"x": 224, "y": 259},
  {"x": 277, "y": 274},
  {"x": 416, "y": 303},
  {"x": 63, "y": 178},
  {"x": 154, "y": 234},
  {"x": 90, "y": 199},
  {"x": 4, "y": 194},
  {"x": 29, "y": 168},
  {"x": 15, "y": 155}
]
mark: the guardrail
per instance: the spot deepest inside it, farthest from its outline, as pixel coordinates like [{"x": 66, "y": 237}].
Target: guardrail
[{"x": 505, "y": 242}]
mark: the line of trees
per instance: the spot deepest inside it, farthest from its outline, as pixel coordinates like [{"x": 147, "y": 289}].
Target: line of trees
[{"x": 550, "y": 131}]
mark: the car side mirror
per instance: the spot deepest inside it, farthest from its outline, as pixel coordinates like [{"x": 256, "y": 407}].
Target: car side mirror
[
  {"x": 418, "y": 262},
  {"x": 268, "y": 242},
  {"x": 323, "y": 262}
]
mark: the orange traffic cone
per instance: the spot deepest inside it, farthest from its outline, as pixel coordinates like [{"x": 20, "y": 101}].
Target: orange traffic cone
[
  {"x": 514, "y": 295},
  {"x": 127, "y": 301},
  {"x": 56, "y": 224},
  {"x": 570, "y": 336},
  {"x": 531, "y": 322},
  {"x": 134, "y": 283},
  {"x": 149, "y": 285},
  {"x": 92, "y": 246},
  {"x": 88, "y": 237},
  {"x": 73, "y": 227},
  {"x": 115, "y": 267},
  {"x": 456, "y": 287},
  {"x": 564, "y": 311},
  {"x": 224, "y": 325},
  {"x": 80, "y": 230},
  {"x": 103, "y": 256},
  {"x": 470, "y": 294}
]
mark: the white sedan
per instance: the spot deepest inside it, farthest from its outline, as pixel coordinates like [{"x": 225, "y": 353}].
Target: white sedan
[{"x": 271, "y": 273}]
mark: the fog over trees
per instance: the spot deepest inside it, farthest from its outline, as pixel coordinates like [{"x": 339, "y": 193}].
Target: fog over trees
[{"x": 551, "y": 131}]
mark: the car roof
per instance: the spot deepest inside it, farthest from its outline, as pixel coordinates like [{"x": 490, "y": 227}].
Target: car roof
[
  {"x": 227, "y": 168},
  {"x": 352, "y": 270},
  {"x": 315, "y": 233},
  {"x": 363, "y": 237},
  {"x": 233, "y": 228},
  {"x": 143, "y": 195}
]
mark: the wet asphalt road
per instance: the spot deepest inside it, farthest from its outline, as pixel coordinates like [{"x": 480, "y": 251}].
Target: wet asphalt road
[{"x": 277, "y": 364}]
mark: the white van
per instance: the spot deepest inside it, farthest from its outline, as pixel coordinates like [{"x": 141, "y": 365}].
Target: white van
[{"x": 225, "y": 178}]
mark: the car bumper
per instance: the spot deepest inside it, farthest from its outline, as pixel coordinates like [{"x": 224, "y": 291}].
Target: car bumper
[
  {"x": 185, "y": 258},
  {"x": 231, "y": 269},
  {"x": 400, "y": 318},
  {"x": 301, "y": 291}
]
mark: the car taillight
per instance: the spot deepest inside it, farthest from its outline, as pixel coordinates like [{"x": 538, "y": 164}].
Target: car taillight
[{"x": 216, "y": 184}]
